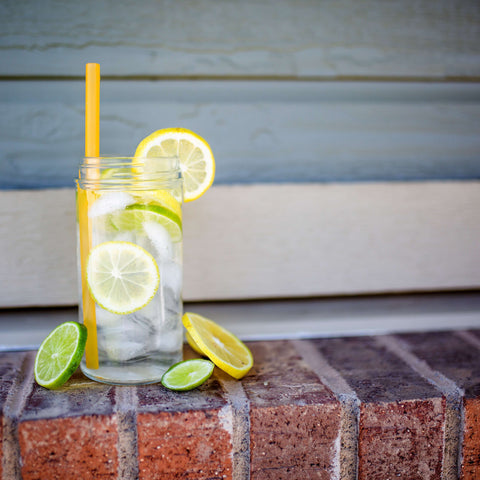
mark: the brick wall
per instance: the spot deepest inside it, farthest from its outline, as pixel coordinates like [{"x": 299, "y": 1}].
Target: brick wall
[{"x": 387, "y": 407}]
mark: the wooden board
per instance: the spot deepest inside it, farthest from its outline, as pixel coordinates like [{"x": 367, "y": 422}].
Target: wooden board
[
  {"x": 294, "y": 38},
  {"x": 266, "y": 241},
  {"x": 259, "y": 131},
  {"x": 25, "y": 329}
]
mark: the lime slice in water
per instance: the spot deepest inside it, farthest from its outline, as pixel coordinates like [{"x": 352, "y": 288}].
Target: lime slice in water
[
  {"x": 134, "y": 216},
  {"x": 162, "y": 198},
  {"x": 60, "y": 354},
  {"x": 188, "y": 374},
  {"x": 122, "y": 277}
]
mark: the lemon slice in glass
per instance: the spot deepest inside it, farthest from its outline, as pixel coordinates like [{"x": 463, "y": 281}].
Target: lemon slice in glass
[
  {"x": 194, "y": 153},
  {"x": 122, "y": 277},
  {"x": 222, "y": 347}
]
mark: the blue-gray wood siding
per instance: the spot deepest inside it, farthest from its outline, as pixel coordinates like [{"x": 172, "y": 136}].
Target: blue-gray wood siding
[{"x": 283, "y": 90}]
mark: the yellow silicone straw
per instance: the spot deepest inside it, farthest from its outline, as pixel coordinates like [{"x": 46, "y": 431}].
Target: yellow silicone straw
[{"x": 92, "y": 150}]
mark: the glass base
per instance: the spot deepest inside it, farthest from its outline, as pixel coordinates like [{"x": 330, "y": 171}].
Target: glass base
[{"x": 142, "y": 372}]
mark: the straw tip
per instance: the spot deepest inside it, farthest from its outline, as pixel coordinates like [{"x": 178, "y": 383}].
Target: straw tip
[{"x": 92, "y": 66}]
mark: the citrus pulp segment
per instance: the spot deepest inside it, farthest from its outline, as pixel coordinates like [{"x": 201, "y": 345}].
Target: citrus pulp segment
[
  {"x": 192, "y": 343},
  {"x": 195, "y": 155},
  {"x": 60, "y": 354},
  {"x": 222, "y": 347},
  {"x": 188, "y": 374},
  {"x": 122, "y": 277},
  {"x": 134, "y": 216}
]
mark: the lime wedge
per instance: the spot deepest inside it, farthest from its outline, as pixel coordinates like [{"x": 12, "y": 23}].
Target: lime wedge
[
  {"x": 122, "y": 277},
  {"x": 60, "y": 354},
  {"x": 134, "y": 216},
  {"x": 188, "y": 374}
]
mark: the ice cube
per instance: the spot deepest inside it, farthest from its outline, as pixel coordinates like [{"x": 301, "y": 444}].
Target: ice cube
[
  {"x": 160, "y": 239},
  {"x": 170, "y": 340},
  {"x": 171, "y": 275},
  {"x": 129, "y": 337},
  {"x": 110, "y": 202},
  {"x": 125, "y": 237},
  {"x": 106, "y": 319}
]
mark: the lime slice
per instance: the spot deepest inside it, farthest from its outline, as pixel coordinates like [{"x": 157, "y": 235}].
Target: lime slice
[
  {"x": 122, "y": 277},
  {"x": 162, "y": 198},
  {"x": 134, "y": 216},
  {"x": 60, "y": 354},
  {"x": 195, "y": 155},
  {"x": 188, "y": 374},
  {"x": 222, "y": 347}
]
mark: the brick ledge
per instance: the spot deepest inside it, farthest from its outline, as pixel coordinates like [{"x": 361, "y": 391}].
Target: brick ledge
[{"x": 400, "y": 406}]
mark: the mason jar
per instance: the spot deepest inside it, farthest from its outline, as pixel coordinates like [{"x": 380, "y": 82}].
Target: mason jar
[{"x": 129, "y": 249}]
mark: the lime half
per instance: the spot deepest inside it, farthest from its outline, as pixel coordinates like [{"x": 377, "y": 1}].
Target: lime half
[
  {"x": 122, "y": 277},
  {"x": 60, "y": 354},
  {"x": 134, "y": 216},
  {"x": 188, "y": 374}
]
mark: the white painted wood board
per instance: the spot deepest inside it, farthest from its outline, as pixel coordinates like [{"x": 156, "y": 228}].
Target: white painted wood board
[
  {"x": 262, "y": 241},
  {"x": 259, "y": 131},
  {"x": 25, "y": 329},
  {"x": 305, "y": 38}
]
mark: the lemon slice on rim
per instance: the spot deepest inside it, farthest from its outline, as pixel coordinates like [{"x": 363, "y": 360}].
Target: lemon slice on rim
[
  {"x": 194, "y": 153},
  {"x": 122, "y": 277},
  {"x": 222, "y": 347}
]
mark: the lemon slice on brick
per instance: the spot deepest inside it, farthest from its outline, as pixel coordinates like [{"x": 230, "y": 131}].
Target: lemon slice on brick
[
  {"x": 195, "y": 155},
  {"x": 221, "y": 346},
  {"x": 122, "y": 277}
]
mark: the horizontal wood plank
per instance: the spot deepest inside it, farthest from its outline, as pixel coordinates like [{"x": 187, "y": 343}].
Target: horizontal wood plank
[
  {"x": 300, "y": 38},
  {"x": 262, "y": 241},
  {"x": 25, "y": 329},
  {"x": 259, "y": 131}
]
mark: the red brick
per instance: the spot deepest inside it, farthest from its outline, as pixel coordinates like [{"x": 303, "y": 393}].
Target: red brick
[
  {"x": 401, "y": 415},
  {"x": 69, "y": 433},
  {"x": 10, "y": 364},
  {"x": 69, "y": 448},
  {"x": 294, "y": 417},
  {"x": 401, "y": 440},
  {"x": 184, "y": 435},
  {"x": 459, "y": 361},
  {"x": 471, "y": 439}
]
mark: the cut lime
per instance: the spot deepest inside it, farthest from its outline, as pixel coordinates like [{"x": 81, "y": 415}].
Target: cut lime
[
  {"x": 162, "y": 198},
  {"x": 122, "y": 277},
  {"x": 134, "y": 216},
  {"x": 188, "y": 374},
  {"x": 60, "y": 354}
]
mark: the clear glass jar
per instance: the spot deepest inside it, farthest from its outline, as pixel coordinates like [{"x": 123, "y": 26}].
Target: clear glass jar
[{"x": 129, "y": 253}]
